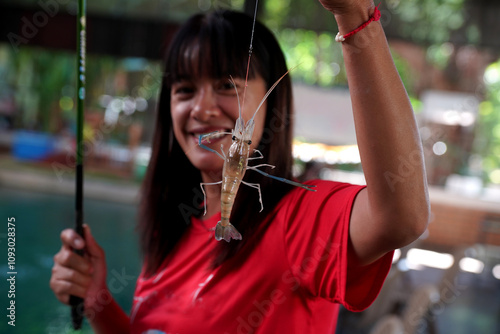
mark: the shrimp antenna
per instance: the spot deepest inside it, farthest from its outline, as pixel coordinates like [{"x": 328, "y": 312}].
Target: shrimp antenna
[
  {"x": 250, "y": 49},
  {"x": 237, "y": 95},
  {"x": 271, "y": 89}
]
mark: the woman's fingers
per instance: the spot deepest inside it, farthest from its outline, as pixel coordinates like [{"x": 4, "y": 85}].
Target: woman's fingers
[
  {"x": 64, "y": 289},
  {"x": 73, "y": 274},
  {"x": 92, "y": 246},
  {"x": 65, "y": 282},
  {"x": 67, "y": 258},
  {"x": 71, "y": 239}
]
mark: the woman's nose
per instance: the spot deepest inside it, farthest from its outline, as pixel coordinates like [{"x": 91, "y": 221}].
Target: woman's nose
[{"x": 205, "y": 106}]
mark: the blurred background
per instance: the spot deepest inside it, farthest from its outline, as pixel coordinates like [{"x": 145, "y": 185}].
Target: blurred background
[{"x": 447, "y": 53}]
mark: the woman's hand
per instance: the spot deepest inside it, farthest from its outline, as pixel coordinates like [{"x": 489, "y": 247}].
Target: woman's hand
[
  {"x": 81, "y": 276},
  {"x": 349, "y": 14},
  {"x": 345, "y": 7}
]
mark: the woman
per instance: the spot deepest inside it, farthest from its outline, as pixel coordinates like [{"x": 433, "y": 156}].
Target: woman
[{"x": 306, "y": 252}]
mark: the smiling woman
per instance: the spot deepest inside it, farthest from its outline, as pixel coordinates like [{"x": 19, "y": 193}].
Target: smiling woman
[
  {"x": 305, "y": 252},
  {"x": 196, "y": 98}
]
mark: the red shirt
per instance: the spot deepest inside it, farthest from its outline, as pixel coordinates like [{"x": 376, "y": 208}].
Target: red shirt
[{"x": 292, "y": 281}]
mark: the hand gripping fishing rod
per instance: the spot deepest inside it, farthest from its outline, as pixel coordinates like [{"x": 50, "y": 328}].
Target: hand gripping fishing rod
[{"x": 77, "y": 306}]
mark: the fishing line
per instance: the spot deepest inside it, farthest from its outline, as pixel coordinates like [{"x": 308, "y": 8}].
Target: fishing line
[{"x": 250, "y": 50}]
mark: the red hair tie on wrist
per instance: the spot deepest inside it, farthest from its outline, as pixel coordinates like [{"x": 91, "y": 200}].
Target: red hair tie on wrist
[{"x": 374, "y": 17}]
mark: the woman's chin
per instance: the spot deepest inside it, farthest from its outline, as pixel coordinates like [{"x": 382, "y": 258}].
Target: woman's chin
[{"x": 208, "y": 164}]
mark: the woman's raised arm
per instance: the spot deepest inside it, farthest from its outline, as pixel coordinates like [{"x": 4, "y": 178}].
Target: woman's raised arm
[{"x": 394, "y": 208}]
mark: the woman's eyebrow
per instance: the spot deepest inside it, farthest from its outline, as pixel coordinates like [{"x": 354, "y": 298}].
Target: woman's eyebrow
[{"x": 182, "y": 77}]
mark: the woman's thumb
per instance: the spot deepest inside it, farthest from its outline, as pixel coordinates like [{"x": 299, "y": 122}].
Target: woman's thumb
[{"x": 93, "y": 247}]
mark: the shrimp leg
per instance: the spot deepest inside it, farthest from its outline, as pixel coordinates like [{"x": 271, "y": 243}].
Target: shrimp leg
[
  {"x": 256, "y": 186},
  {"x": 258, "y": 157},
  {"x": 204, "y": 194},
  {"x": 261, "y": 165}
]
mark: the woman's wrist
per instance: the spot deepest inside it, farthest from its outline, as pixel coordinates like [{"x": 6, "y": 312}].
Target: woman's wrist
[
  {"x": 355, "y": 15},
  {"x": 96, "y": 301},
  {"x": 109, "y": 317}
]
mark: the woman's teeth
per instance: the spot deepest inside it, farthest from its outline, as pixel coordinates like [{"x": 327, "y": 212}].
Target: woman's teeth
[
  {"x": 218, "y": 134},
  {"x": 207, "y": 137}
]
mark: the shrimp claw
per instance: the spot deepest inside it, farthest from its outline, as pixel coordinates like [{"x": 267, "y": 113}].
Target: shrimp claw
[
  {"x": 227, "y": 232},
  {"x": 207, "y": 137}
]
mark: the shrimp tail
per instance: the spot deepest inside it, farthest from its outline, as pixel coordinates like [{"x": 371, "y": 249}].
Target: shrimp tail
[{"x": 226, "y": 232}]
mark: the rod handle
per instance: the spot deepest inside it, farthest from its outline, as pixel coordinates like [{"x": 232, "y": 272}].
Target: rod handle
[{"x": 77, "y": 303}]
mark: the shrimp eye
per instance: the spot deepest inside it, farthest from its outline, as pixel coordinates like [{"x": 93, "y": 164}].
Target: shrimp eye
[
  {"x": 249, "y": 142},
  {"x": 234, "y": 137}
]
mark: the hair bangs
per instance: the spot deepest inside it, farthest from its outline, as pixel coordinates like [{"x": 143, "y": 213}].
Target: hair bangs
[{"x": 210, "y": 47}]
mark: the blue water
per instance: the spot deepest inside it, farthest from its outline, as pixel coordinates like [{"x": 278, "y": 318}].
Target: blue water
[{"x": 39, "y": 219}]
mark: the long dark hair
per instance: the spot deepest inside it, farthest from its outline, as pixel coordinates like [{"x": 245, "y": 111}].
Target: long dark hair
[{"x": 171, "y": 189}]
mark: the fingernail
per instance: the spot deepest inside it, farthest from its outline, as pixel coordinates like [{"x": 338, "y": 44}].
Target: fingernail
[{"x": 78, "y": 243}]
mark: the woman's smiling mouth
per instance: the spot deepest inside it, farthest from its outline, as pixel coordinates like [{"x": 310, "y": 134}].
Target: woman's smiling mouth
[{"x": 216, "y": 135}]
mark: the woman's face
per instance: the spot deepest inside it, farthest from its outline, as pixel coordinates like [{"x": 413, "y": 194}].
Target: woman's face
[{"x": 203, "y": 105}]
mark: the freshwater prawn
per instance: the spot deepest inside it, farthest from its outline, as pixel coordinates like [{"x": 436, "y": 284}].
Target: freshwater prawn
[
  {"x": 235, "y": 166},
  {"x": 237, "y": 157}
]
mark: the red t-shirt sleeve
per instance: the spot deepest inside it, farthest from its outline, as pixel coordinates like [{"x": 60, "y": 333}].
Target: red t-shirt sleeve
[{"x": 317, "y": 246}]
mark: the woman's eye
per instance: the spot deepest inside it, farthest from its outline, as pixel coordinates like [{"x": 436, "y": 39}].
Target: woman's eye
[
  {"x": 182, "y": 90},
  {"x": 228, "y": 87}
]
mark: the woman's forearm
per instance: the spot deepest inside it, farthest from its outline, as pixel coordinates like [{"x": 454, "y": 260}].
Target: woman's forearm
[{"x": 386, "y": 130}]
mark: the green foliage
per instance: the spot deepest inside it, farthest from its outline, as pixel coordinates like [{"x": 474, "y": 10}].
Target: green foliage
[
  {"x": 428, "y": 21},
  {"x": 44, "y": 86},
  {"x": 318, "y": 57},
  {"x": 314, "y": 50},
  {"x": 439, "y": 54},
  {"x": 43, "y": 80},
  {"x": 320, "y": 62},
  {"x": 297, "y": 14},
  {"x": 488, "y": 132},
  {"x": 39, "y": 78},
  {"x": 42, "y": 83}
]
